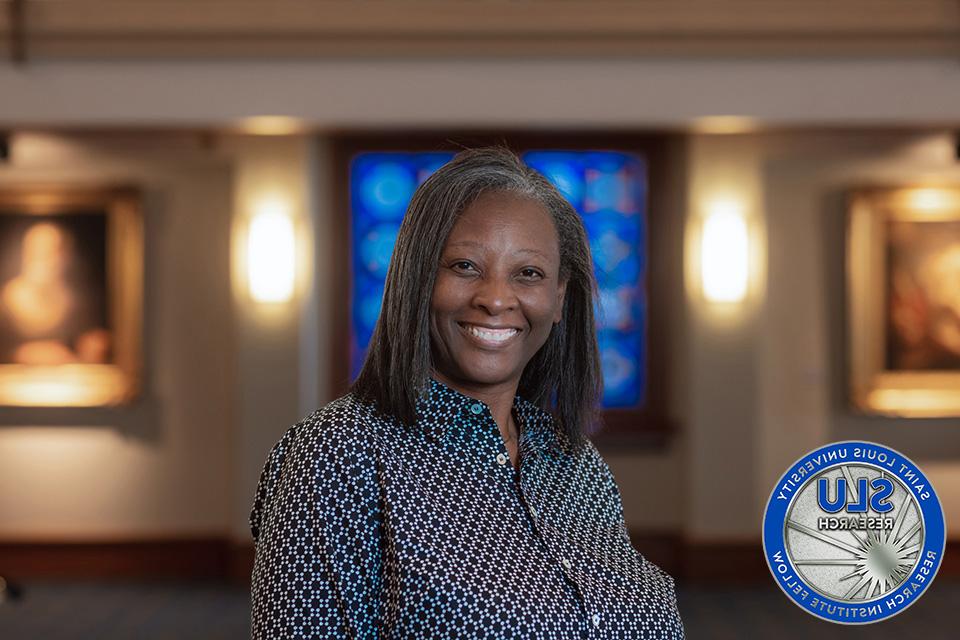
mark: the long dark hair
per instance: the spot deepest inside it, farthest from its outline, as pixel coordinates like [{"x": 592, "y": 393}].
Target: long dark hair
[{"x": 563, "y": 377}]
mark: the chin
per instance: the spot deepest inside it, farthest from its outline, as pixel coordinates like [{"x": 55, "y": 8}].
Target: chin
[{"x": 488, "y": 375}]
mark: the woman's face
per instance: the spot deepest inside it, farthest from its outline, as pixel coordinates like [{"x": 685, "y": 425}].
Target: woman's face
[{"x": 497, "y": 292}]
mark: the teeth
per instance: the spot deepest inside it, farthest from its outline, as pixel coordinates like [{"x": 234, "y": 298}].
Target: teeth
[{"x": 494, "y": 335}]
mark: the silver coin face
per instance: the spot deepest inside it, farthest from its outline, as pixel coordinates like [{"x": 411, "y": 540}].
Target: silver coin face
[{"x": 854, "y": 532}]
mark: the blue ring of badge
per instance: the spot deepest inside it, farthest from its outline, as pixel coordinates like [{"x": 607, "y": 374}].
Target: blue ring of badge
[{"x": 801, "y": 588}]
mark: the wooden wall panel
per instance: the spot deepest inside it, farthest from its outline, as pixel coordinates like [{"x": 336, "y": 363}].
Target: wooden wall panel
[{"x": 229, "y": 28}]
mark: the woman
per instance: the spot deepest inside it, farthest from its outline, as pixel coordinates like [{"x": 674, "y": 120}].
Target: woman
[{"x": 453, "y": 492}]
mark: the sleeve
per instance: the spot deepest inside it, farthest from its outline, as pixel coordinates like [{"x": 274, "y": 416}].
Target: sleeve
[
  {"x": 653, "y": 576},
  {"x": 317, "y": 531}
]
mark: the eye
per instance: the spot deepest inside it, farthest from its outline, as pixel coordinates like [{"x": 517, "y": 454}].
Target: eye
[
  {"x": 462, "y": 265},
  {"x": 530, "y": 273}
]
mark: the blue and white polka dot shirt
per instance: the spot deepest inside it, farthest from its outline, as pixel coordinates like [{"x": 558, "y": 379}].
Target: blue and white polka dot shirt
[{"x": 365, "y": 528}]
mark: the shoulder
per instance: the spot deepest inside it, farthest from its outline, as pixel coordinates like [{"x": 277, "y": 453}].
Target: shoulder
[
  {"x": 342, "y": 425},
  {"x": 597, "y": 483},
  {"x": 659, "y": 579},
  {"x": 661, "y": 587},
  {"x": 588, "y": 458},
  {"x": 330, "y": 452}
]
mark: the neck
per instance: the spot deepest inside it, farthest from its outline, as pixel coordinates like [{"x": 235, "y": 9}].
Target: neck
[{"x": 499, "y": 398}]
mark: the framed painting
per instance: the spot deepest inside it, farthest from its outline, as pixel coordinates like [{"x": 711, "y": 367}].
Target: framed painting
[
  {"x": 71, "y": 296},
  {"x": 903, "y": 279}
]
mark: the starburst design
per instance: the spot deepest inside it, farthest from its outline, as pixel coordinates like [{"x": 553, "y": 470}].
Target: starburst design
[{"x": 879, "y": 560}]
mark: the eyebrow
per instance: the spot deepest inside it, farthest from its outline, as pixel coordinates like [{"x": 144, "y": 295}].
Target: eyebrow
[{"x": 471, "y": 243}]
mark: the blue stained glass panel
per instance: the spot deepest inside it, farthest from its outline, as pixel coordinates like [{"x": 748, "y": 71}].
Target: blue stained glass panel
[{"x": 607, "y": 188}]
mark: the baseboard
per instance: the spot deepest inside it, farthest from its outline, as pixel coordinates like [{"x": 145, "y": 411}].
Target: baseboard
[
  {"x": 241, "y": 563},
  {"x": 731, "y": 563},
  {"x": 146, "y": 559},
  {"x": 220, "y": 559}
]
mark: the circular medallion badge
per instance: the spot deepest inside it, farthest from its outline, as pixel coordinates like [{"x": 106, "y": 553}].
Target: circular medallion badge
[{"x": 854, "y": 532}]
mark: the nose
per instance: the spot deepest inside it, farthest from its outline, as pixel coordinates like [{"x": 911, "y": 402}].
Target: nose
[{"x": 495, "y": 295}]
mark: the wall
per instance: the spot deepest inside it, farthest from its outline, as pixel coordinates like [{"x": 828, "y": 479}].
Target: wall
[
  {"x": 768, "y": 379},
  {"x": 281, "y": 347},
  {"x": 164, "y": 468},
  {"x": 724, "y": 376},
  {"x": 455, "y": 92},
  {"x": 226, "y": 376},
  {"x": 806, "y": 178},
  {"x": 752, "y": 391}
]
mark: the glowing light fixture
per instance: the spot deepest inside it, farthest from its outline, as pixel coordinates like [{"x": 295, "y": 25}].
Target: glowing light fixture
[
  {"x": 929, "y": 199},
  {"x": 270, "y": 253},
  {"x": 271, "y": 125},
  {"x": 725, "y": 124},
  {"x": 724, "y": 253}
]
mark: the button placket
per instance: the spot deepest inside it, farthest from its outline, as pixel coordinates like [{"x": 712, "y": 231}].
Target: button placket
[
  {"x": 578, "y": 588},
  {"x": 477, "y": 409}
]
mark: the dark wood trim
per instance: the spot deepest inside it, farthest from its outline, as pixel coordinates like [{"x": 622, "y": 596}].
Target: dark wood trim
[
  {"x": 732, "y": 563},
  {"x": 186, "y": 558},
  {"x": 722, "y": 563},
  {"x": 648, "y": 426},
  {"x": 339, "y": 266},
  {"x": 18, "y": 32},
  {"x": 108, "y": 29},
  {"x": 220, "y": 559},
  {"x": 664, "y": 549},
  {"x": 241, "y": 558}
]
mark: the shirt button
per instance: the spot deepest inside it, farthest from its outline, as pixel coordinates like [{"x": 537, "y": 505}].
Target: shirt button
[
  {"x": 476, "y": 408},
  {"x": 566, "y": 563},
  {"x": 533, "y": 512},
  {"x": 596, "y": 619},
  {"x": 502, "y": 459}
]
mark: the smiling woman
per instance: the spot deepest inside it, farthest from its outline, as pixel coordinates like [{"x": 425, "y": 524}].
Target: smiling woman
[
  {"x": 478, "y": 203},
  {"x": 497, "y": 295},
  {"x": 454, "y": 492}
]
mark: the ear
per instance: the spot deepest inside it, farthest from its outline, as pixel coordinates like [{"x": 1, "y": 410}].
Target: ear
[{"x": 561, "y": 296}]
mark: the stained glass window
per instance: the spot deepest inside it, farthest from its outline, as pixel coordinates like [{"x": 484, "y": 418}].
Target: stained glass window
[{"x": 607, "y": 188}]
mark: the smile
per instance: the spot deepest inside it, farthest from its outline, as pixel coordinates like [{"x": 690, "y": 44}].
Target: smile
[{"x": 489, "y": 337}]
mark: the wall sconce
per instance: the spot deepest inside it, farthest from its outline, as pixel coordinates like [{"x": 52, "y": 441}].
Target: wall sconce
[
  {"x": 271, "y": 252},
  {"x": 271, "y": 126},
  {"x": 930, "y": 202},
  {"x": 724, "y": 253}
]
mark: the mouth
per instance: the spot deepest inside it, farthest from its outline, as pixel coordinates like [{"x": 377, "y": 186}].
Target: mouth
[{"x": 487, "y": 337}]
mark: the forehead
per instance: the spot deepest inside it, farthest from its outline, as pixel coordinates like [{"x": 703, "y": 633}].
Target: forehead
[{"x": 497, "y": 219}]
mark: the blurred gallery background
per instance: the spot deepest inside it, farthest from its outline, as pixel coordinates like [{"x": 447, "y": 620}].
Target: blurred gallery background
[{"x": 198, "y": 201}]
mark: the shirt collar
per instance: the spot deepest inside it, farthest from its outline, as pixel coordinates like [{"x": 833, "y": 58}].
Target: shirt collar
[{"x": 442, "y": 408}]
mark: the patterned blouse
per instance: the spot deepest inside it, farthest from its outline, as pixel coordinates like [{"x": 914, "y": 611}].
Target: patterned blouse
[{"x": 365, "y": 528}]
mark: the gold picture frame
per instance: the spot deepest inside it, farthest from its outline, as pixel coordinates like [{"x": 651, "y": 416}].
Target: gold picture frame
[
  {"x": 902, "y": 268},
  {"x": 93, "y": 357}
]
